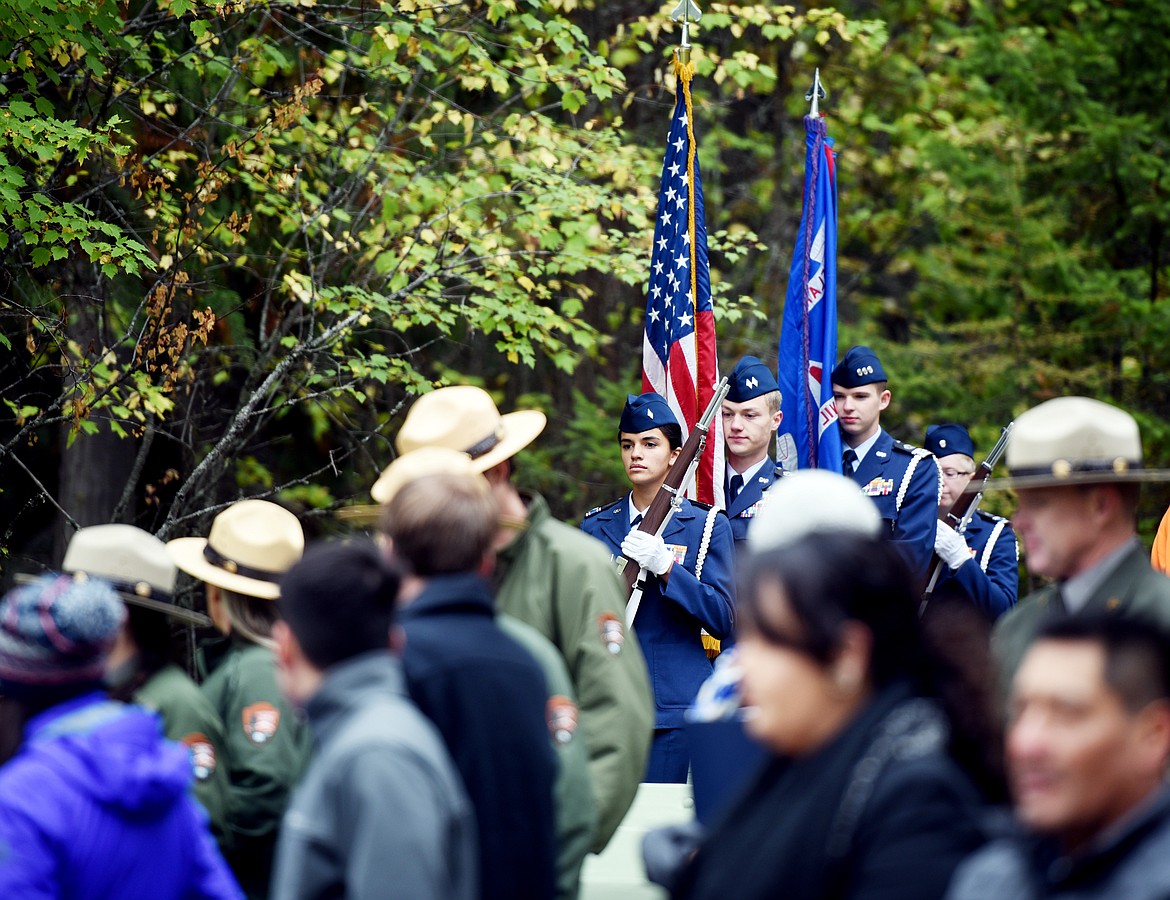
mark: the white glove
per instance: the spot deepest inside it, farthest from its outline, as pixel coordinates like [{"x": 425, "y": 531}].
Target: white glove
[
  {"x": 950, "y": 546},
  {"x": 648, "y": 550}
]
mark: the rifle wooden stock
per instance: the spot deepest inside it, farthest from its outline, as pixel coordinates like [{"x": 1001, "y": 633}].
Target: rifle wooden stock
[{"x": 676, "y": 481}]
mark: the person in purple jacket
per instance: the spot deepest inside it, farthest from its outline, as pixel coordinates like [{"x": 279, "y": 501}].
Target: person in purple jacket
[{"x": 94, "y": 801}]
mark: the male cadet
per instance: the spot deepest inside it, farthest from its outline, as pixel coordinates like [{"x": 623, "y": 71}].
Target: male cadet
[
  {"x": 751, "y": 415},
  {"x": 559, "y": 581},
  {"x": 1076, "y": 466},
  {"x": 902, "y": 480},
  {"x": 1088, "y": 741},
  {"x": 983, "y": 561}
]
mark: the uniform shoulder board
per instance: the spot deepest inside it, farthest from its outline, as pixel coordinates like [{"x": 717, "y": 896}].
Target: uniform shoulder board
[
  {"x": 910, "y": 448},
  {"x": 779, "y": 471},
  {"x": 705, "y": 507},
  {"x": 594, "y": 511},
  {"x": 990, "y": 517}
]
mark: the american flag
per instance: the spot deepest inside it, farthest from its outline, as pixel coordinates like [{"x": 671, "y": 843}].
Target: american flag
[{"x": 678, "y": 352}]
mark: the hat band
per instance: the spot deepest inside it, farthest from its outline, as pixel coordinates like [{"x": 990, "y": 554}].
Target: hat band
[
  {"x": 220, "y": 561},
  {"x": 489, "y": 443},
  {"x": 1062, "y": 468},
  {"x": 142, "y": 589}
]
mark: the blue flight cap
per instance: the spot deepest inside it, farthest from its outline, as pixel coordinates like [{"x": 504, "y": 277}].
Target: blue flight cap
[
  {"x": 750, "y": 379},
  {"x": 943, "y": 440},
  {"x": 645, "y": 411},
  {"x": 859, "y": 366}
]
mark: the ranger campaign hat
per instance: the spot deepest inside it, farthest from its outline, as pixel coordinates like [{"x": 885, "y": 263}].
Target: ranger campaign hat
[
  {"x": 858, "y": 367},
  {"x": 419, "y": 463},
  {"x": 1074, "y": 440},
  {"x": 811, "y": 500},
  {"x": 946, "y": 440},
  {"x": 464, "y": 417},
  {"x": 135, "y": 562},
  {"x": 750, "y": 379},
  {"x": 251, "y": 545},
  {"x": 645, "y": 411}
]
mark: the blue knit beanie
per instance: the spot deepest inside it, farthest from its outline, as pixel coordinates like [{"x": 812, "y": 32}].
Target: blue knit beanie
[{"x": 56, "y": 631}]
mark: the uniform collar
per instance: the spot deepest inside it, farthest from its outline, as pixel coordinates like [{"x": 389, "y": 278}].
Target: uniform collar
[
  {"x": 749, "y": 473},
  {"x": 866, "y": 447}
]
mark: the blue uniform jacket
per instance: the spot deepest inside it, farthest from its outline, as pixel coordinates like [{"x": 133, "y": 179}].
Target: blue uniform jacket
[
  {"x": 892, "y": 469},
  {"x": 487, "y": 696},
  {"x": 991, "y": 579},
  {"x": 670, "y": 617},
  {"x": 746, "y": 505}
]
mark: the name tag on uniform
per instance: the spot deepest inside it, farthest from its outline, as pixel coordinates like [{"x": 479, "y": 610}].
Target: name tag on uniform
[
  {"x": 879, "y": 487},
  {"x": 679, "y": 551}
]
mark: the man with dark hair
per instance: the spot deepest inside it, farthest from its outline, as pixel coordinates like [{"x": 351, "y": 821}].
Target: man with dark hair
[
  {"x": 1088, "y": 741},
  {"x": 1076, "y": 466},
  {"x": 751, "y": 414},
  {"x": 485, "y": 693},
  {"x": 381, "y": 803},
  {"x": 902, "y": 480}
]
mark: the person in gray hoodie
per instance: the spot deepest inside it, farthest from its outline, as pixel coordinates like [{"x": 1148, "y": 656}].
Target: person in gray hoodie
[{"x": 380, "y": 809}]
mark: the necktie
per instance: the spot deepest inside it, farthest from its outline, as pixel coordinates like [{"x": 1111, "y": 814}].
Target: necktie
[
  {"x": 848, "y": 458},
  {"x": 637, "y": 521},
  {"x": 734, "y": 489}
]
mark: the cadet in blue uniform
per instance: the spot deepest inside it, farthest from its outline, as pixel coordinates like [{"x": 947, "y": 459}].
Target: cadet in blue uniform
[
  {"x": 983, "y": 563},
  {"x": 902, "y": 480},
  {"x": 690, "y": 583},
  {"x": 751, "y": 415}
]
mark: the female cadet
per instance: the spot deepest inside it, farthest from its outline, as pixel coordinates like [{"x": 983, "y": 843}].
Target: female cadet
[
  {"x": 251, "y": 545},
  {"x": 690, "y": 581}
]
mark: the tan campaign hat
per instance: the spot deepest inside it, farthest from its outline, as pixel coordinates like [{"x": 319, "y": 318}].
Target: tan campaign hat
[
  {"x": 135, "y": 562},
  {"x": 1074, "y": 440},
  {"x": 418, "y": 463},
  {"x": 463, "y": 417},
  {"x": 251, "y": 545}
]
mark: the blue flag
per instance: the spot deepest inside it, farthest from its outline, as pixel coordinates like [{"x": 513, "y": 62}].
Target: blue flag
[{"x": 808, "y": 436}]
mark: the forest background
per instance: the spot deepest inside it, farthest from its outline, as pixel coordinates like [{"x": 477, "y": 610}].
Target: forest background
[{"x": 236, "y": 238}]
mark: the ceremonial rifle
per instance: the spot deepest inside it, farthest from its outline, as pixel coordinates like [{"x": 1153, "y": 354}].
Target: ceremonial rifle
[
  {"x": 962, "y": 510},
  {"x": 670, "y": 496}
]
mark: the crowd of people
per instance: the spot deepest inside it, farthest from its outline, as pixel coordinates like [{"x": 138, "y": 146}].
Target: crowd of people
[{"x": 463, "y": 702}]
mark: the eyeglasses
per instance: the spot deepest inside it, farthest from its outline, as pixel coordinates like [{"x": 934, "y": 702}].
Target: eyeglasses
[{"x": 955, "y": 473}]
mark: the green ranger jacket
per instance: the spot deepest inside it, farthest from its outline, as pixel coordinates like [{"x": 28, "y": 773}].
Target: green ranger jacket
[
  {"x": 573, "y": 805},
  {"x": 189, "y": 718},
  {"x": 1133, "y": 588},
  {"x": 561, "y": 581},
  {"x": 266, "y": 749}
]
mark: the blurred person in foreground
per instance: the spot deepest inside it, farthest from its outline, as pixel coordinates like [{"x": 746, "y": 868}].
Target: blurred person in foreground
[
  {"x": 860, "y": 797},
  {"x": 143, "y": 666},
  {"x": 576, "y": 813},
  {"x": 251, "y": 545},
  {"x": 1088, "y": 741},
  {"x": 485, "y": 693},
  {"x": 380, "y": 811},
  {"x": 982, "y": 563},
  {"x": 550, "y": 576},
  {"x": 1076, "y": 466},
  {"x": 94, "y": 801}
]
